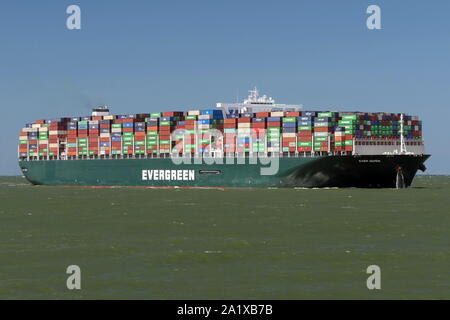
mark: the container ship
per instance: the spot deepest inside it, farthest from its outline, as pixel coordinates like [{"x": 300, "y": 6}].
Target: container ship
[{"x": 256, "y": 143}]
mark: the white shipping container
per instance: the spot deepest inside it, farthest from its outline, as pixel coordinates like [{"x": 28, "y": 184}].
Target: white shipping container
[
  {"x": 193, "y": 113},
  {"x": 289, "y": 135},
  {"x": 205, "y": 116},
  {"x": 277, "y": 114},
  {"x": 116, "y": 129},
  {"x": 321, "y": 134},
  {"x": 204, "y": 126},
  {"x": 105, "y": 135},
  {"x": 110, "y": 117}
]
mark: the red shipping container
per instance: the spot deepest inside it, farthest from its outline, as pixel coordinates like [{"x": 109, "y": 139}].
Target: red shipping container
[
  {"x": 244, "y": 120},
  {"x": 273, "y": 124},
  {"x": 258, "y": 124},
  {"x": 292, "y": 114},
  {"x": 323, "y": 129},
  {"x": 172, "y": 114},
  {"x": 166, "y": 128},
  {"x": 262, "y": 114}
]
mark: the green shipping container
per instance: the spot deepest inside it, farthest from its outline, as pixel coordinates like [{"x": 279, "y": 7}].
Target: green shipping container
[
  {"x": 326, "y": 114},
  {"x": 346, "y": 122},
  {"x": 349, "y": 117}
]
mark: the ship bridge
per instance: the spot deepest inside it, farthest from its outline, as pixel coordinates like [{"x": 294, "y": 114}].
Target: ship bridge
[{"x": 256, "y": 103}]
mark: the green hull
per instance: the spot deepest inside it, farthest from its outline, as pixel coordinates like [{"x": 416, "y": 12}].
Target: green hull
[{"x": 320, "y": 171}]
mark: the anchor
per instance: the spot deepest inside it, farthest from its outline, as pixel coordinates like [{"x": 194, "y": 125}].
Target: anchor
[{"x": 400, "y": 179}]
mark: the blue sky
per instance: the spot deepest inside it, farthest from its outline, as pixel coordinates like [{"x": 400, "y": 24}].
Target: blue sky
[{"x": 142, "y": 56}]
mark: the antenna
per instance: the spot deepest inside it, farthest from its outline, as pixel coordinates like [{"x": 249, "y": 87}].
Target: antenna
[{"x": 402, "y": 138}]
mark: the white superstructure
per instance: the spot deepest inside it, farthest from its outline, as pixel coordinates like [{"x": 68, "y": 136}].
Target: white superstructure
[{"x": 257, "y": 103}]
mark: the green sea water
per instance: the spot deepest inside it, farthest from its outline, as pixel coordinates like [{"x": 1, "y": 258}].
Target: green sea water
[{"x": 137, "y": 243}]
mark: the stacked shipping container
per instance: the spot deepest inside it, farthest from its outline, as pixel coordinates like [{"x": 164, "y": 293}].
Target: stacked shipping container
[{"x": 192, "y": 132}]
